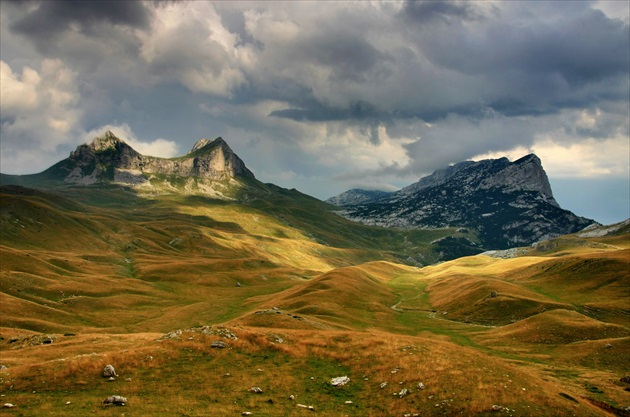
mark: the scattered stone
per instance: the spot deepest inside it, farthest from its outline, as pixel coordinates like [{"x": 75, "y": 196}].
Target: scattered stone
[
  {"x": 8, "y": 405},
  {"x": 127, "y": 379},
  {"x": 256, "y": 390},
  {"x": 402, "y": 392},
  {"x": 292, "y": 397},
  {"x": 497, "y": 408},
  {"x": 339, "y": 381},
  {"x": 348, "y": 402},
  {"x": 3, "y": 367},
  {"x": 383, "y": 385},
  {"x": 218, "y": 344},
  {"x": 421, "y": 385},
  {"x": 246, "y": 413},
  {"x": 109, "y": 371},
  {"x": 68, "y": 403},
  {"x": 111, "y": 378},
  {"x": 115, "y": 400},
  {"x": 608, "y": 345},
  {"x": 494, "y": 294},
  {"x": 309, "y": 407}
]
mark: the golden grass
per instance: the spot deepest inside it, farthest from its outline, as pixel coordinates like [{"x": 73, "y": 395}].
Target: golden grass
[{"x": 106, "y": 283}]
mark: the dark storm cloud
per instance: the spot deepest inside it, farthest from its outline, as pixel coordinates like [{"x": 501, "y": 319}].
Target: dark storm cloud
[
  {"x": 537, "y": 69},
  {"x": 318, "y": 112},
  {"x": 349, "y": 57},
  {"x": 41, "y": 21},
  {"x": 424, "y": 11}
]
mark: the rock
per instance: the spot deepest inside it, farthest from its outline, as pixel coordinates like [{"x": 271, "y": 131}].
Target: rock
[
  {"x": 111, "y": 378},
  {"x": 218, "y": 344},
  {"x": 383, "y": 385},
  {"x": 496, "y": 408},
  {"x": 109, "y": 372},
  {"x": 8, "y": 405},
  {"x": 309, "y": 407},
  {"x": 625, "y": 379},
  {"x": 348, "y": 402},
  {"x": 421, "y": 385},
  {"x": 523, "y": 211},
  {"x": 115, "y": 400},
  {"x": 246, "y": 413},
  {"x": 402, "y": 392},
  {"x": 339, "y": 381},
  {"x": 292, "y": 397},
  {"x": 256, "y": 390},
  {"x": 494, "y": 294}
]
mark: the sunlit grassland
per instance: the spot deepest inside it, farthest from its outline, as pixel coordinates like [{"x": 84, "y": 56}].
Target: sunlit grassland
[
  {"x": 187, "y": 376},
  {"x": 310, "y": 297}
]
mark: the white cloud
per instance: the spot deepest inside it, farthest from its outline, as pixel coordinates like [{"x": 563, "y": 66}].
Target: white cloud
[
  {"x": 163, "y": 148},
  {"x": 187, "y": 42},
  {"x": 40, "y": 113}
]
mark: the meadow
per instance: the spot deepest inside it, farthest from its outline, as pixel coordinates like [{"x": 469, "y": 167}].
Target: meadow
[{"x": 298, "y": 296}]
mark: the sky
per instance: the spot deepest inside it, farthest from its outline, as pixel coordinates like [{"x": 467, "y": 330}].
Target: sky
[{"x": 329, "y": 96}]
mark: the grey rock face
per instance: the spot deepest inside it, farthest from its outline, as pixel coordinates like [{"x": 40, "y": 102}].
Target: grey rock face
[
  {"x": 109, "y": 159},
  {"x": 509, "y": 203}
]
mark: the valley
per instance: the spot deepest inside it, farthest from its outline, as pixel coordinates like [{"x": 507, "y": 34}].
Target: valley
[{"x": 199, "y": 295}]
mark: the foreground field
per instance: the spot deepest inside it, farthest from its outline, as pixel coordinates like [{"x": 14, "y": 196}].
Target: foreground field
[{"x": 152, "y": 286}]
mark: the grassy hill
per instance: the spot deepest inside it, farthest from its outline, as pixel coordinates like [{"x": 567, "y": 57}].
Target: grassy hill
[{"x": 150, "y": 282}]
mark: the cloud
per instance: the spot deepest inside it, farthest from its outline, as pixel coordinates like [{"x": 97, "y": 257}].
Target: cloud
[
  {"x": 44, "y": 21},
  {"x": 40, "y": 112},
  {"x": 163, "y": 148},
  {"x": 188, "y": 43},
  {"x": 351, "y": 93},
  {"x": 424, "y": 11}
]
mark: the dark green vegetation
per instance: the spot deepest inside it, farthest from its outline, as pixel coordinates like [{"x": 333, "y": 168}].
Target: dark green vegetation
[{"x": 97, "y": 275}]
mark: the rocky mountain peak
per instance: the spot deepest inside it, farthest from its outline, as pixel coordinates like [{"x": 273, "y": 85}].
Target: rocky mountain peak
[
  {"x": 509, "y": 203},
  {"x": 200, "y": 144},
  {"x": 107, "y": 141},
  {"x": 108, "y": 159}
]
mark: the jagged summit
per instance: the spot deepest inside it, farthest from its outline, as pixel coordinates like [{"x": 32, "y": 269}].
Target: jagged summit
[
  {"x": 510, "y": 203},
  {"x": 109, "y": 159},
  {"x": 107, "y": 141}
]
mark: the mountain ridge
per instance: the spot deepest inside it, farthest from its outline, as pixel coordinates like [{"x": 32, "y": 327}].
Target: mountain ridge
[
  {"x": 510, "y": 203},
  {"x": 110, "y": 159}
]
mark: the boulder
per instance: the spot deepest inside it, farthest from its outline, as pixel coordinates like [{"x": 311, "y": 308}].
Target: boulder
[
  {"x": 115, "y": 400},
  {"x": 339, "y": 381},
  {"x": 109, "y": 372}
]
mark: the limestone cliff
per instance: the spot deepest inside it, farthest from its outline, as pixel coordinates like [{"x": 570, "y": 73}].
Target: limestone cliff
[
  {"x": 509, "y": 203},
  {"x": 109, "y": 159}
]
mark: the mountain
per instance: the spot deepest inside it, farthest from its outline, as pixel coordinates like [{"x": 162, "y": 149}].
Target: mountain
[
  {"x": 510, "y": 203},
  {"x": 108, "y": 159},
  {"x": 267, "y": 289},
  {"x": 357, "y": 196}
]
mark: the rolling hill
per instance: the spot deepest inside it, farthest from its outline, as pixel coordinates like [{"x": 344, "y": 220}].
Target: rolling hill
[{"x": 198, "y": 296}]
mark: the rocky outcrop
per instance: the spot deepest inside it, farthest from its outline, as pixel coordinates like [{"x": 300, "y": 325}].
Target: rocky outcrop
[
  {"x": 357, "y": 196},
  {"x": 509, "y": 203},
  {"x": 109, "y": 159}
]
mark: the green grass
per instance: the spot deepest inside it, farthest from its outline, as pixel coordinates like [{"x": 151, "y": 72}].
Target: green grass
[{"x": 117, "y": 269}]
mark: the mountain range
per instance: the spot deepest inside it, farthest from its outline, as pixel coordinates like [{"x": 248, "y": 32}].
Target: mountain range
[
  {"x": 213, "y": 293},
  {"x": 507, "y": 204}
]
